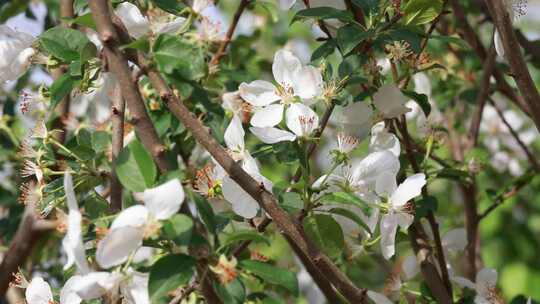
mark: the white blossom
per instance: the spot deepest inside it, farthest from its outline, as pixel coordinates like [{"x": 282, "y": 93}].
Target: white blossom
[
  {"x": 390, "y": 101},
  {"x": 137, "y": 25},
  {"x": 38, "y": 292},
  {"x": 15, "y": 53}
]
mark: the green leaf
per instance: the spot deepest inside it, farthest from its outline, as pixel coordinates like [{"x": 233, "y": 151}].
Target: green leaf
[
  {"x": 420, "y": 99},
  {"x": 350, "y": 215},
  {"x": 424, "y": 205},
  {"x": 167, "y": 274},
  {"x": 324, "y": 50},
  {"x": 326, "y": 233},
  {"x": 100, "y": 141},
  {"x": 171, "y": 6},
  {"x": 451, "y": 40},
  {"x": 63, "y": 43},
  {"x": 179, "y": 229},
  {"x": 272, "y": 274},
  {"x": 422, "y": 11},
  {"x": 232, "y": 293},
  {"x": 85, "y": 20},
  {"x": 291, "y": 201},
  {"x": 369, "y": 7},
  {"x": 323, "y": 13},
  {"x": 244, "y": 235},
  {"x": 178, "y": 57},
  {"x": 344, "y": 198},
  {"x": 60, "y": 88},
  {"x": 141, "y": 44},
  {"x": 349, "y": 36},
  {"x": 88, "y": 52},
  {"x": 135, "y": 168}
]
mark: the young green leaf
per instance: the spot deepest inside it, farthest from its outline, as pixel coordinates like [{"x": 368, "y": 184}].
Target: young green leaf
[
  {"x": 272, "y": 274},
  {"x": 167, "y": 274},
  {"x": 135, "y": 168}
]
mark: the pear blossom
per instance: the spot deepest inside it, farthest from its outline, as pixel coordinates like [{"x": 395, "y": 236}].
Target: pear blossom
[
  {"x": 390, "y": 101},
  {"x": 396, "y": 202},
  {"x": 137, "y": 25},
  {"x": 242, "y": 203},
  {"x": 15, "y": 53},
  {"x": 96, "y": 103},
  {"x": 134, "y": 223},
  {"x": 38, "y": 292},
  {"x": 485, "y": 286},
  {"x": 200, "y": 5},
  {"x": 346, "y": 143},
  {"x": 382, "y": 140},
  {"x": 73, "y": 243},
  {"x": 294, "y": 80},
  {"x": 357, "y": 119},
  {"x": 424, "y": 124}
]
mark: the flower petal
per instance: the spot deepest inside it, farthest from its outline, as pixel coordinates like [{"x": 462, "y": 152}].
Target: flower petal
[
  {"x": 168, "y": 27},
  {"x": 136, "y": 288},
  {"x": 38, "y": 292},
  {"x": 134, "y": 216},
  {"x": 378, "y": 298},
  {"x": 385, "y": 184},
  {"x": 272, "y": 135},
  {"x": 136, "y": 24},
  {"x": 389, "y": 224},
  {"x": 268, "y": 116},
  {"x": 455, "y": 240},
  {"x": 284, "y": 68},
  {"x": 258, "y": 93},
  {"x": 486, "y": 280},
  {"x": 301, "y": 119},
  {"x": 410, "y": 267},
  {"x": 367, "y": 170},
  {"x": 356, "y": 119},
  {"x": 390, "y": 101},
  {"x": 164, "y": 200},
  {"x": 381, "y": 140},
  {"x": 96, "y": 284},
  {"x": 307, "y": 82},
  {"x": 234, "y": 135},
  {"x": 116, "y": 247},
  {"x": 463, "y": 282},
  {"x": 499, "y": 47},
  {"x": 68, "y": 295},
  {"x": 409, "y": 189},
  {"x": 286, "y": 4},
  {"x": 242, "y": 203}
]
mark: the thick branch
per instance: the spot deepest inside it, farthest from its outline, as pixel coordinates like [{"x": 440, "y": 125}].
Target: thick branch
[
  {"x": 519, "y": 68},
  {"x": 130, "y": 91},
  {"x": 117, "y": 119}
]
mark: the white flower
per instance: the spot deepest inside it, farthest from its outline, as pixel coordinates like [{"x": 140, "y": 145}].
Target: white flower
[
  {"x": 90, "y": 286},
  {"x": 397, "y": 205},
  {"x": 134, "y": 223},
  {"x": 294, "y": 80},
  {"x": 137, "y": 25},
  {"x": 357, "y": 119},
  {"x": 96, "y": 103},
  {"x": 485, "y": 286},
  {"x": 15, "y": 53},
  {"x": 382, "y": 140},
  {"x": 390, "y": 101},
  {"x": 38, "y": 292},
  {"x": 300, "y": 119},
  {"x": 346, "y": 143},
  {"x": 200, "y": 5},
  {"x": 73, "y": 242},
  {"x": 242, "y": 203}
]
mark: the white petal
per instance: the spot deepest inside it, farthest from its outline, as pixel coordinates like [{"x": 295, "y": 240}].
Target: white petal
[
  {"x": 68, "y": 295},
  {"x": 268, "y": 116},
  {"x": 410, "y": 267},
  {"x": 409, "y": 189},
  {"x": 486, "y": 279},
  {"x": 143, "y": 254},
  {"x": 136, "y": 288},
  {"x": 242, "y": 203},
  {"x": 463, "y": 282},
  {"x": 385, "y": 184},
  {"x": 378, "y": 298},
  {"x": 73, "y": 242},
  {"x": 373, "y": 165},
  {"x": 232, "y": 102},
  {"x": 258, "y": 93},
  {"x": 169, "y": 27},
  {"x": 390, "y": 101},
  {"x": 455, "y": 240},
  {"x": 381, "y": 140},
  {"x": 272, "y": 135},
  {"x": 134, "y": 216},
  {"x": 164, "y": 200},
  {"x": 422, "y": 84},
  {"x": 308, "y": 82},
  {"x": 404, "y": 219},
  {"x": 356, "y": 119},
  {"x": 301, "y": 119},
  {"x": 116, "y": 247},
  {"x": 136, "y": 24},
  {"x": 96, "y": 284},
  {"x": 499, "y": 47},
  {"x": 38, "y": 292},
  {"x": 389, "y": 224},
  {"x": 284, "y": 68},
  {"x": 234, "y": 135}
]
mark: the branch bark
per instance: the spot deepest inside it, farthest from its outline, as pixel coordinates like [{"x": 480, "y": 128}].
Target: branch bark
[
  {"x": 117, "y": 120},
  {"x": 520, "y": 71}
]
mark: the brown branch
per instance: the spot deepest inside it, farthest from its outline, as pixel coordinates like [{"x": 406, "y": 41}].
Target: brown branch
[
  {"x": 130, "y": 91},
  {"x": 266, "y": 200},
  {"x": 483, "y": 94},
  {"x": 117, "y": 120},
  {"x": 522, "y": 145},
  {"x": 21, "y": 245},
  {"x": 230, "y": 32},
  {"x": 518, "y": 66}
]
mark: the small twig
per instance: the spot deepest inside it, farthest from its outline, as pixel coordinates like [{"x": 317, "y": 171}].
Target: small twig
[
  {"x": 523, "y": 146},
  {"x": 520, "y": 182},
  {"x": 117, "y": 120},
  {"x": 185, "y": 292},
  {"x": 230, "y": 32}
]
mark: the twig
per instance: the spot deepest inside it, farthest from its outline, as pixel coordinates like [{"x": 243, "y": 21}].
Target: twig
[
  {"x": 117, "y": 119},
  {"x": 230, "y": 32},
  {"x": 520, "y": 182},
  {"x": 523, "y": 146},
  {"x": 519, "y": 68},
  {"x": 130, "y": 92},
  {"x": 185, "y": 292},
  {"x": 483, "y": 94}
]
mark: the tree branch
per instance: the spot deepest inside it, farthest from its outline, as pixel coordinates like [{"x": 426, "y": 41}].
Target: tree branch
[{"x": 117, "y": 120}]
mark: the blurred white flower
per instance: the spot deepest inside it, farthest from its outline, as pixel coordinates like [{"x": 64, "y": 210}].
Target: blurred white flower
[
  {"x": 390, "y": 101},
  {"x": 38, "y": 292},
  {"x": 485, "y": 286},
  {"x": 137, "y": 25},
  {"x": 15, "y": 53}
]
